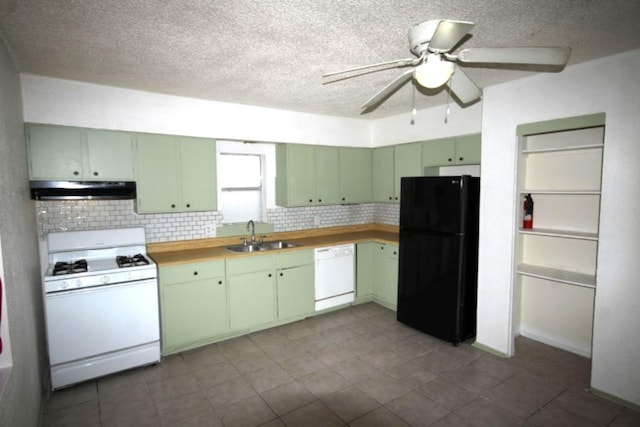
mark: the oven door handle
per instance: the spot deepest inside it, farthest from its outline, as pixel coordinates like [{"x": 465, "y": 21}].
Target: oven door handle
[{"x": 98, "y": 288}]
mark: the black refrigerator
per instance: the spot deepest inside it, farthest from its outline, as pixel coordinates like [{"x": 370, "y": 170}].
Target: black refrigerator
[{"x": 438, "y": 264}]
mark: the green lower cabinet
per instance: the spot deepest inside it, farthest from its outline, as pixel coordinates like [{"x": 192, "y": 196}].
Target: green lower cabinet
[
  {"x": 193, "y": 300},
  {"x": 295, "y": 292},
  {"x": 251, "y": 299},
  {"x": 385, "y": 283},
  {"x": 364, "y": 270}
]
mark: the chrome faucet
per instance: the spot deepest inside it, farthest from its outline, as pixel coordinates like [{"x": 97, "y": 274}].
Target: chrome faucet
[{"x": 252, "y": 225}]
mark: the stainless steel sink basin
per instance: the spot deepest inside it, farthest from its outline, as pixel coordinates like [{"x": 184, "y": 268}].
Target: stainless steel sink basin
[
  {"x": 264, "y": 246},
  {"x": 245, "y": 248},
  {"x": 280, "y": 244}
]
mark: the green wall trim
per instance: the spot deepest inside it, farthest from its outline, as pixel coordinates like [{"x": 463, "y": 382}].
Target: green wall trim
[{"x": 578, "y": 122}]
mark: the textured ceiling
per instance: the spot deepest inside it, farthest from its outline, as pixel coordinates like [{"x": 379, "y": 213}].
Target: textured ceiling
[{"x": 273, "y": 53}]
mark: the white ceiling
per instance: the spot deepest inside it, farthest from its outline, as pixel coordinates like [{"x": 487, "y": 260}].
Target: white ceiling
[{"x": 273, "y": 53}]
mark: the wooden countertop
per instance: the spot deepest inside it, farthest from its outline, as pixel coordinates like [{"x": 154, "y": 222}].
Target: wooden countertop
[{"x": 182, "y": 252}]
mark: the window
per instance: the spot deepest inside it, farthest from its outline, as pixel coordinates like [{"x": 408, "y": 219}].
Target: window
[{"x": 243, "y": 180}]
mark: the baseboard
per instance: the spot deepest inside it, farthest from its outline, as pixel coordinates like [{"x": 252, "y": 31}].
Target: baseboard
[
  {"x": 584, "y": 352},
  {"x": 615, "y": 399},
  {"x": 490, "y": 350}
]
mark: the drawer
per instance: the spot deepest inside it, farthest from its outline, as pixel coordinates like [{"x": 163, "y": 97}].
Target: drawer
[
  {"x": 191, "y": 272},
  {"x": 294, "y": 259},
  {"x": 249, "y": 264}
]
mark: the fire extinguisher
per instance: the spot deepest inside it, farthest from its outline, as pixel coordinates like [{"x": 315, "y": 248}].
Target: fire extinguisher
[{"x": 527, "y": 219}]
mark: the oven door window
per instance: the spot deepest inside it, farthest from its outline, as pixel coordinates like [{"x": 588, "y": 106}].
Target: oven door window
[{"x": 95, "y": 321}]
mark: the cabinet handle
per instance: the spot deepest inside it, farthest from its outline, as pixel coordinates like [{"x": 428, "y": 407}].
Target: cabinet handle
[
  {"x": 396, "y": 198},
  {"x": 219, "y": 282},
  {"x": 281, "y": 274},
  {"x": 390, "y": 198},
  {"x": 343, "y": 199},
  {"x": 173, "y": 205},
  {"x": 95, "y": 174},
  {"x": 381, "y": 248},
  {"x": 76, "y": 173},
  {"x": 188, "y": 205},
  {"x": 310, "y": 200},
  {"x": 269, "y": 274},
  {"x": 461, "y": 158},
  {"x": 195, "y": 273},
  {"x": 395, "y": 253},
  {"x": 319, "y": 200},
  {"x": 450, "y": 159}
]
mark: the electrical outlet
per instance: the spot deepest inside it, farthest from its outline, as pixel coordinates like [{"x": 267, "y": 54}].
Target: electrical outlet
[
  {"x": 210, "y": 230},
  {"x": 316, "y": 221}
]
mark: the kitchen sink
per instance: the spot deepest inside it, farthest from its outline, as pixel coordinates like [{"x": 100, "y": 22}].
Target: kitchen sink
[
  {"x": 280, "y": 244},
  {"x": 264, "y": 246}
]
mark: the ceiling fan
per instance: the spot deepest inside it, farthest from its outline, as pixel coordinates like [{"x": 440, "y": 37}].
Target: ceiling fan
[{"x": 434, "y": 66}]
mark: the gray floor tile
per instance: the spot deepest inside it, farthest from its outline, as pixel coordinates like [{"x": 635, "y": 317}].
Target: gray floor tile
[
  {"x": 287, "y": 397},
  {"x": 417, "y": 409},
  {"x": 357, "y": 365},
  {"x": 313, "y": 414}
]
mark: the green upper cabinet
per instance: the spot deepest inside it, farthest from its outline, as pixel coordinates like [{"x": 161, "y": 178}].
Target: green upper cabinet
[
  {"x": 175, "y": 174},
  {"x": 392, "y": 163},
  {"x": 306, "y": 175},
  {"x": 460, "y": 150},
  {"x": 355, "y": 175},
  {"x": 407, "y": 161},
  {"x": 70, "y": 153},
  {"x": 382, "y": 174}
]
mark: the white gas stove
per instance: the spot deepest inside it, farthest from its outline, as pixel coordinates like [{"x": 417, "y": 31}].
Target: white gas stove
[{"x": 101, "y": 302}]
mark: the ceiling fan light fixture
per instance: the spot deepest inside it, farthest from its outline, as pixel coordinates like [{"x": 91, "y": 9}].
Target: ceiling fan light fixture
[{"x": 434, "y": 72}]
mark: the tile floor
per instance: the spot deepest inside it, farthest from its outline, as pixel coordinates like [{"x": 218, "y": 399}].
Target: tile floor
[{"x": 357, "y": 367}]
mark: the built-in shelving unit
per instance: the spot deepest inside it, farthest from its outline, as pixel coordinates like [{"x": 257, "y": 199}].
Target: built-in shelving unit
[{"x": 556, "y": 259}]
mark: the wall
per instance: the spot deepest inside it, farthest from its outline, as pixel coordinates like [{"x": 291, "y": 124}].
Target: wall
[
  {"x": 95, "y": 214},
  {"x": 611, "y": 86},
  {"x": 21, "y": 399},
  {"x": 72, "y": 103}
]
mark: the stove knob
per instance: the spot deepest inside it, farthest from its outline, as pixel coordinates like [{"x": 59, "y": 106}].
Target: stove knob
[
  {"x": 104, "y": 279},
  {"x": 78, "y": 283},
  {"x": 64, "y": 284}
]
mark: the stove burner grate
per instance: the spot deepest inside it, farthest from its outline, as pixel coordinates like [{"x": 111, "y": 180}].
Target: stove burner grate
[
  {"x": 131, "y": 261},
  {"x": 70, "y": 267}
]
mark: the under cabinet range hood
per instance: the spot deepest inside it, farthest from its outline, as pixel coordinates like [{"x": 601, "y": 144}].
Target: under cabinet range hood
[{"x": 82, "y": 190}]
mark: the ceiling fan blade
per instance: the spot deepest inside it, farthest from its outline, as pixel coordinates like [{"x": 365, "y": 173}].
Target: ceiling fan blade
[
  {"x": 463, "y": 87},
  {"x": 517, "y": 55},
  {"x": 394, "y": 63},
  {"x": 448, "y": 35},
  {"x": 388, "y": 89}
]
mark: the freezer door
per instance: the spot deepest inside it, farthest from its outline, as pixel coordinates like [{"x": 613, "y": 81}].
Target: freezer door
[
  {"x": 430, "y": 291},
  {"x": 432, "y": 203}
]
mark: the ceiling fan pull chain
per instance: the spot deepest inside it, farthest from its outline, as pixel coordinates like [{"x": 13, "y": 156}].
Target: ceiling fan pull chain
[
  {"x": 448, "y": 110},
  {"x": 413, "y": 109}
]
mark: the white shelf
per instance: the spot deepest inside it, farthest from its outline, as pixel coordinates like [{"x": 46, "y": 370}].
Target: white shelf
[
  {"x": 560, "y": 149},
  {"x": 562, "y": 192},
  {"x": 569, "y": 234},
  {"x": 557, "y": 275}
]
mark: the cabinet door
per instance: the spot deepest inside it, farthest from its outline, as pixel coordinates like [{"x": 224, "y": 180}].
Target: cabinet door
[
  {"x": 198, "y": 172},
  {"x": 407, "y": 162},
  {"x": 157, "y": 170},
  {"x": 295, "y": 292},
  {"x": 110, "y": 155},
  {"x": 296, "y": 175},
  {"x": 251, "y": 299},
  {"x": 55, "y": 152},
  {"x": 385, "y": 286},
  {"x": 327, "y": 175},
  {"x": 193, "y": 312},
  {"x": 438, "y": 152},
  {"x": 382, "y": 174},
  {"x": 364, "y": 269},
  {"x": 355, "y": 175},
  {"x": 468, "y": 149}
]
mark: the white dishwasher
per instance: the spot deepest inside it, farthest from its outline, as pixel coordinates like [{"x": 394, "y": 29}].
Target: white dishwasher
[{"x": 334, "y": 276}]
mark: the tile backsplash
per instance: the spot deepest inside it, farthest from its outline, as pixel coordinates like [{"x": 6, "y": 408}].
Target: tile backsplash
[{"x": 95, "y": 214}]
